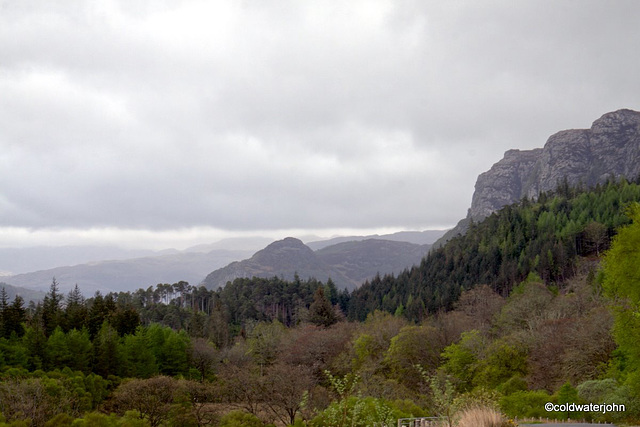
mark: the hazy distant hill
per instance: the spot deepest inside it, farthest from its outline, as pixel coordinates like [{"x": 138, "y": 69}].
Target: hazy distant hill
[
  {"x": 348, "y": 264},
  {"x": 283, "y": 258},
  {"x": 126, "y": 275},
  {"x": 234, "y": 244},
  {"x": 426, "y": 237},
  {"x": 26, "y": 294},
  {"x": 362, "y": 260},
  {"x": 25, "y": 260}
]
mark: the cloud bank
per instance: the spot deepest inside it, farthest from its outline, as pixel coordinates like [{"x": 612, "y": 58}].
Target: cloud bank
[{"x": 237, "y": 117}]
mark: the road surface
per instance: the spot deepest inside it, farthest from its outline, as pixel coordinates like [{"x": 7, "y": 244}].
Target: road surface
[{"x": 565, "y": 425}]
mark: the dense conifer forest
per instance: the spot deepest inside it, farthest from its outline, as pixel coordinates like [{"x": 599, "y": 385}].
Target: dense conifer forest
[{"x": 535, "y": 304}]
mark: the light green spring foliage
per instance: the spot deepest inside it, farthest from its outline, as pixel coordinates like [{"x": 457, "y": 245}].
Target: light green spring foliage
[
  {"x": 240, "y": 419},
  {"x": 96, "y": 419},
  {"x": 353, "y": 410},
  {"x": 525, "y": 404},
  {"x": 622, "y": 284},
  {"x": 622, "y": 261},
  {"x": 357, "y": 411},
  {"x": 461, "y": 358}
]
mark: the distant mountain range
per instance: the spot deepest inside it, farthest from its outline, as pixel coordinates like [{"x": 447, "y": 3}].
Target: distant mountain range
[
  {"x": 129, "y": 274},
  {"x": 26, "y": 294},
  {"x": 130, "y": 270},
  {"x": 348, "y": 264},
  {"x": 426, "y": 237}
]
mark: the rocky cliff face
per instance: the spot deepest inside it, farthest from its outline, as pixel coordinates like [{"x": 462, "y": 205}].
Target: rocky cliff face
[{"x": 588, "y": 156}]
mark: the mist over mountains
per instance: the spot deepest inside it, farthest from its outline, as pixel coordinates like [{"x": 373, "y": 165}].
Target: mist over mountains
[
  {"x": 347, "y": 264},
  {"x": 609, "y": 149},
  {"x": 126, "y": 270}
]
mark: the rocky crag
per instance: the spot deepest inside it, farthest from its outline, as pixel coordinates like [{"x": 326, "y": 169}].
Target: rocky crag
[{"x": 610, "y": 148}]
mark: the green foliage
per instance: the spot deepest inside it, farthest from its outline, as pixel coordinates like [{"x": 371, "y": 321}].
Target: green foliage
[
  {"x": 107, "y": 352},
  {"x": 81, "y": 348},
  {"x": 461, "y": 360},
  {"x": 502, "y": 362},
  {"x": 139, "y": 355},
  {"x": 97, "y": 419},
  {"x": 525, "y": 404},
  {"x": 621, "y": 278},
  {"x": 543, "y": 237},
  {"x": 321, "y": 311},
  {"x": 565, "y": 395},
  {"x": 264, "y": 342},
  {"x": 413, "y": 346},
  {"x": 240, "y": 419},
  {"x": 443, "y": 395},
  {"x": 358, "y": 411},
  {"x": 513, "y": 384}
]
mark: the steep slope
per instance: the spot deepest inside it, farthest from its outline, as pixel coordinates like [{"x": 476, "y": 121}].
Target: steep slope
[
  {"x": 548, "y": 237},
  {"x": 609, "y": 149}
]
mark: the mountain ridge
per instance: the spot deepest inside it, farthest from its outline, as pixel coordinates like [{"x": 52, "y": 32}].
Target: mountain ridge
[
  {"x": 347, "y": 264},
  {"x": 610, "y": 148}
]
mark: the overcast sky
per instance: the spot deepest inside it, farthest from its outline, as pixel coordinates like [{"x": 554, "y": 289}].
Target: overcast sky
[{"x": 170, "y": 123}]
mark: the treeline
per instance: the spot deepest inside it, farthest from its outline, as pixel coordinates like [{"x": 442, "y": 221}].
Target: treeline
[
  {"x": 513, "y": 354},
  {"x": 508, "y": 317},
  {"x": 545, "y": 237}
]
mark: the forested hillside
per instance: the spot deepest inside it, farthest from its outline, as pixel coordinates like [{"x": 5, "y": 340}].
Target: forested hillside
[
  {"x": 514, "y": 314},
  {"x": 546, "y": 237}
]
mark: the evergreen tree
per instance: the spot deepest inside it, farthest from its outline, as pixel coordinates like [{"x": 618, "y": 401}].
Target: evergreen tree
[
  {"x": 125, "y": 320},
  {"x": 106, "y": 352},
  {"x": 174, "y": 358},
  {"x": 51, "y": 308},
  {"x": 14, "y": 318},
  {"x": 81, "y": 349},
  {"x": 76, "y": 314},
  {"x": 97, "y": 314},
  {"x": 140, "y": 360},
  {"x": 321, "y": 311},
  {"x": 4, "y": 305},
  {"x": 58, "y": 354},
  {"x": 35, "y": 343}
]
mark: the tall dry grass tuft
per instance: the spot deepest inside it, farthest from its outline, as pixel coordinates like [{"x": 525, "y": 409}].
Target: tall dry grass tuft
[{"x": 482, "y": 417}]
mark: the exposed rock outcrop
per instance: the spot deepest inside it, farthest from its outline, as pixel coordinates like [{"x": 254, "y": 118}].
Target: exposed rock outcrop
[{"x": 611, "y": 148}]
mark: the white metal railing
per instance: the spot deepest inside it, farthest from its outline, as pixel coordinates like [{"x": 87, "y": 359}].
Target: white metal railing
[{"x": 422, "y": 422}]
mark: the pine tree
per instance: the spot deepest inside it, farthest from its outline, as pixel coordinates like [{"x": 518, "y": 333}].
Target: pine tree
[
  {"x": 4, "y": 304},
  {"x": 97, "y": 314},
  {"x": 321, "y": 311},
  {"x": 76, "y": 314},
  {"x": 106, "y": 351},
  {"x": 14, "y": 318},
  {"x": 79, "y": 343},
  {"x": 51, "y": 310}
]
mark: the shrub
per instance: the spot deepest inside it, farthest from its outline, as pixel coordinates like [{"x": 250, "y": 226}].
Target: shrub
[{"x": 482, "y": 417}]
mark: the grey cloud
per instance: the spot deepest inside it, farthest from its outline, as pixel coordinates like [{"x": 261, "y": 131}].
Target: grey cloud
[{"x": 287, "y": 114}]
